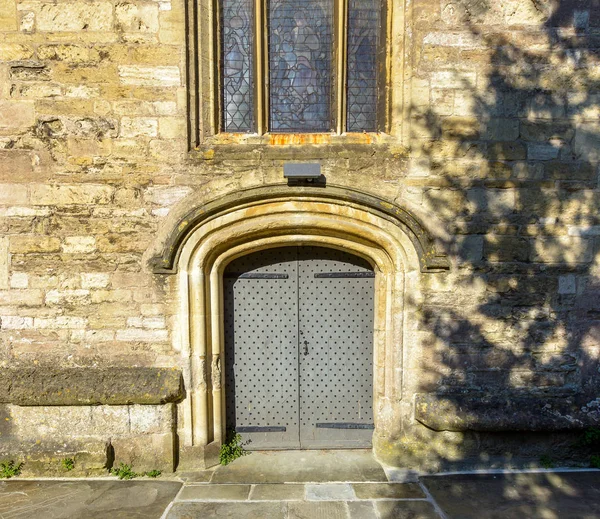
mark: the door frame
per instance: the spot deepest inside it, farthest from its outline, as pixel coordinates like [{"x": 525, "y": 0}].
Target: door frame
[{"x": 204, "y": 240}]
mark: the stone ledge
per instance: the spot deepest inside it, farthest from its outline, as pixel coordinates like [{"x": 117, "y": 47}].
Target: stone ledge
[
  {"x": 460, "y": 413},
  {"x": 47, "y": 386}
]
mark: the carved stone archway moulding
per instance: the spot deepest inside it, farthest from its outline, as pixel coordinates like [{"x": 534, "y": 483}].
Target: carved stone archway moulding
[{"x": 202, "y": 242}]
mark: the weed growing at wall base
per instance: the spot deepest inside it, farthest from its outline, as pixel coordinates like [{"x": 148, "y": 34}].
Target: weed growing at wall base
[
  {"x": 68, "y": 464},
  {"x": 124, "y": 471},
  {"x": 232, "y": 449},
  {"x": 9, "y": 469}
]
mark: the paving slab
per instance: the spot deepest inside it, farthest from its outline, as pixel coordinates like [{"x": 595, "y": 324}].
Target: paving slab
[
  {"x": 308, "y": 510},
  {"x": 388, "y": 491},
  {"x": 549, "y": 495},
  {"x": 237, "y": 510},
  {"x": 200, "y": 476},
  {"x": 302, "y": 467},
  {"x": 407, "y": 510},
  {"x": 326, "y": 492},
  {"x": 277, "y": 492},
  {"x": 214, "y": 493},
  {"x": 86, "y": 499},
  {"x": 362, "y": 510}
]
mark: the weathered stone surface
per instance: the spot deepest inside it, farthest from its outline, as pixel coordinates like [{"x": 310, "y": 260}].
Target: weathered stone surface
[
  {"x": 89, "y": 386},
  {"x": 486, "y": 169},
  {"x": 406, "y": 509},
  {"x": 228, "y": 510},
  {"x": 466, "y": 496},
  {"x": 491, "y": 413},
  {"x": 90, "y": 499},
  {"x": 76, "y": 16}
]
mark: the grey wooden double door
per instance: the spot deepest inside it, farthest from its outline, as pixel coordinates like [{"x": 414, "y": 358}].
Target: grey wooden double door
[{"x": 299, "y": 349}]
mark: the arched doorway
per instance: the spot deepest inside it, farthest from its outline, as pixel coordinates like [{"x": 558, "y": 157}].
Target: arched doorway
[
  {"x": 203, "y": 239},
  {"x": 299, "y": 348}
]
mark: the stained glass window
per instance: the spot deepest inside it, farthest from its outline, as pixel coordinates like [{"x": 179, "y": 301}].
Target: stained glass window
[
  {"x": 279, "y": 65},
  {"x": 237, "y": 76},
  {"x": 300, "y": 56},
  {"x": 363, "y": 44}
]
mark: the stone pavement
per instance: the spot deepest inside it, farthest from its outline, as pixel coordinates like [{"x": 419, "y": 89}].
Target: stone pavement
[{"x": 310, "y": 485}]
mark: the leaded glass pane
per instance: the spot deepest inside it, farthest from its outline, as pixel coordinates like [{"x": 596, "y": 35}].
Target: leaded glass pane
[
  {"x": 237, "y": 75},
  {"x": 300, "y": 61},
  {"x": 363, "y": 42}
]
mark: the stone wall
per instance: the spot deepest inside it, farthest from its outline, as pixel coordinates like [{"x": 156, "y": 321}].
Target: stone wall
[{"x": 499, "y": 152}]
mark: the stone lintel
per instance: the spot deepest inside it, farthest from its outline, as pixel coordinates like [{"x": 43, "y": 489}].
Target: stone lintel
[
  {"x": 460, "y": 413},
  {"x": 48, "y": 386}
]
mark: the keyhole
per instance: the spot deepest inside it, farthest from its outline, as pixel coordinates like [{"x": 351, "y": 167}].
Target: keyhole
[{"x": 305, "y": 348}]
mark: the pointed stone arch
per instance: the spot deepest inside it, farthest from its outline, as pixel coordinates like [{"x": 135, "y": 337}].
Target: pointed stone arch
[{"x": 201, "y": 242}]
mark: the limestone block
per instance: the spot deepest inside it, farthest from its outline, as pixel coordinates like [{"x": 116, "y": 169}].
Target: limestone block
[
  {"x": 587, "y": 142},
  {"x": 132, "y": 17},
  {"x": 507, "y": 151},
  {"x": 13, "y": 322},
  {"x": 113, "y": 388},
  {"x": 4, "y": 262},
  {"x": 16, "y": 115},
  {"x": 138, "y": 127},
  {"x": 146, "y": 452},
  {"x": 141, "y": 335},
  {"x": 494, "y": 201},
  {"x": 562, "y": 249},
  {"x": 75, "y": 16},
  {"x": 110, "y": 296},
  {"x": 151, "y": 419},
  {"x": 89, "y": 147},
  {"x": 145, "y": 108},
  {"x": 61, "y": 322},
  {"x": 79, "y": 297},
  {"x": 453, "y": 79},
  {"x": 166, "y": 195},
  {"x": 152, "y": 309},
  {"x": 79, "y": 245},
  {"x": 70, "y": 194},
  {"x": 37, "y": 91},
  {"x": 545, "y": 131},
  {"x": 152, "y": 323},
  {"x": 82, "y": 91},
  {"x": 172, "y": 127},
  {"x": 14, "y": 51},
  {"x": 13, "y": 194},
  {"x": 27, "y": 21},
  {"x": 506, "y": 248},
  {"x": 172, "y": 27},
  {"x": 19, "y": 280},
  {"x": 542, "y": 151},
  {"x": 21, "y": 297},
  {"x": 8, "y": 16},
  {"x": 469, "y": 248},
  {"x": 150, "y": 76},
  {"x": 94, "y": 280},
  {"x": 461, "y": 128},
  {"x": 33, "y": 244},
  {"x": 463, "y": 40},
  {"x": 98, "y": 336},
  {"x": 567, "y": 284},
  {"x": 442, "y": 101},
  {"x": 14, "y": 160},
  {"x": 502, "y": 130}
]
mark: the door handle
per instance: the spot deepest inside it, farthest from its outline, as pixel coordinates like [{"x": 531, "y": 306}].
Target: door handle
[{"x": 305, "y": 348}]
